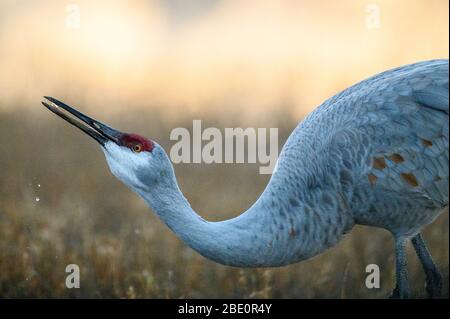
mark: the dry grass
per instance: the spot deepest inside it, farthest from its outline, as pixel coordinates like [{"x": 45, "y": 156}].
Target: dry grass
[{"x": 85, "y": 216}]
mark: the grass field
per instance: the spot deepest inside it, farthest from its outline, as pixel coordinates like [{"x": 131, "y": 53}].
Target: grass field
[{"x": 59, "y": 205}]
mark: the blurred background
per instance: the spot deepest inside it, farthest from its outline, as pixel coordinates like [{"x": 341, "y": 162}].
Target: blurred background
[{"x": 148, "y": 67}]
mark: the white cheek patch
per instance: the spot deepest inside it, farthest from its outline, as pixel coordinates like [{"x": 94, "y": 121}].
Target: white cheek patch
[{"x": 124, "y": 164}]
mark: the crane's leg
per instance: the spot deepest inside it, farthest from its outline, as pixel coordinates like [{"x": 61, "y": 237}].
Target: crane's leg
[
  {"x": 401, "y": 272},
  {"x": 432, "y": 274}
]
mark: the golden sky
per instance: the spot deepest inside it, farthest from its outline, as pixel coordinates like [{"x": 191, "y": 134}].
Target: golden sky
[{"x": 182, "y": 55}]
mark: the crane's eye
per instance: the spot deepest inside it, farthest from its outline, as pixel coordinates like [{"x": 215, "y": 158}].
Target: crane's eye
[{"x": 137, "y": 148}]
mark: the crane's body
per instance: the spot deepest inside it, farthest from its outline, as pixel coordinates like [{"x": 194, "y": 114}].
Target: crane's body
[{"x": 375, "y": 154}]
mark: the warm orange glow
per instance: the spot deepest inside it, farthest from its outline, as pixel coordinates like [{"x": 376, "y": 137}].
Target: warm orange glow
[{"x": 246, "y": 55}]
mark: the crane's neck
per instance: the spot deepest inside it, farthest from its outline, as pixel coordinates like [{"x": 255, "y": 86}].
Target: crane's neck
[
  {"x": 276, "y": 230},
  {"x": 220, "y": 241}
]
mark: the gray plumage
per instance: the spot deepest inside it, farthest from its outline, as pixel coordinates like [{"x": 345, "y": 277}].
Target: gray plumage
[{"x": 375, "y": 154}]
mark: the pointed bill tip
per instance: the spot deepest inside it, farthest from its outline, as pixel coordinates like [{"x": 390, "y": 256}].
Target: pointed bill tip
[
  {"x": 99, "y": 131},
  {"x": 51, "y": 106},
  {"x": 46, "y": 104},
  {"x": 50, "y": 99}
]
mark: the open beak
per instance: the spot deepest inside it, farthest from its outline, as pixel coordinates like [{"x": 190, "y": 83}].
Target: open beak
[{"x": 98, "y": 131}]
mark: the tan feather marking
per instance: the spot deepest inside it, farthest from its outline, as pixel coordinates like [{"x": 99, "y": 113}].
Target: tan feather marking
[
  {"x": 372, "y": 179},
  {"x": 396, "y": 158},
  {"x": 410, "y": 179},
  {"x": 426, "y": 143},
  {"x": 379, "y": 163}
]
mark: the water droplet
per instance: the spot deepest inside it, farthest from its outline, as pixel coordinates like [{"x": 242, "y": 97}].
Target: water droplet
[{"x": 37, "y": 199}]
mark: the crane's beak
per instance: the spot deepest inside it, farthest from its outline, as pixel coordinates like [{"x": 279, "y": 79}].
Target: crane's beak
[{"x": 98, "y": 131}]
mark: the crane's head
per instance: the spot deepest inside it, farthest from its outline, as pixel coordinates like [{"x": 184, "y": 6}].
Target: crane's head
[{"x": 135, "y": 160}]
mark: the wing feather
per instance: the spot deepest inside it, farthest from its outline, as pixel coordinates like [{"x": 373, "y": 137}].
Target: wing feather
[{"x": 411, "y": 134}]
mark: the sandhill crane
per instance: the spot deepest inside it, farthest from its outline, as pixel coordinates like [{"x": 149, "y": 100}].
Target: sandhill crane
[{"x": 375, "y": 154}]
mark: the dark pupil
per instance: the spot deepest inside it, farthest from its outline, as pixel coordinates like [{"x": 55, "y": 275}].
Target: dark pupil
[{"x": 137, "y": 147}]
